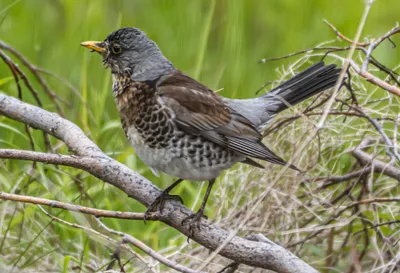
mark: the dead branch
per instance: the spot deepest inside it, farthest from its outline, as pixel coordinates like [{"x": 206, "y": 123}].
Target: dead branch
[
  {"x": 18, "y": 73},
  {"x": 375, "y": 80},
  {"x": 379, "y": 166},
  {"x": 372, "y": 45},
  {"x": 133, "y": 241},
  {"x": 35, "y": 72},
  {"x": 109, "y": 239},
  {"x": 339, "y": 178},
  {"x": 72, "y": 207},
  {"x": 334, "y": 216},
  {"x": 94, "y": 161},
  {"x": 378, "y": 127}
]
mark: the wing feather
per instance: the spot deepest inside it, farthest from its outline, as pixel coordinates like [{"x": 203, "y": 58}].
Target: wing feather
[{"x": 200, "y": 111}]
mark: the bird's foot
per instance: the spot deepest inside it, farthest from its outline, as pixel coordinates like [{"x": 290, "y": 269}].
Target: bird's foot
[
  {"x": 194, "y": 222},
  {"x": 159, "y": 202}
]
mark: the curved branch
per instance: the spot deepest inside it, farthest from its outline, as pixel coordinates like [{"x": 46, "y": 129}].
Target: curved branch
[{"x": 260, "y": 254}]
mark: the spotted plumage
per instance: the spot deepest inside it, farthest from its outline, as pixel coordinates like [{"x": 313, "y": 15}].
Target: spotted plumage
[
  {"x": 151, "y": 130},
  {"x": 179, "y": 126}
]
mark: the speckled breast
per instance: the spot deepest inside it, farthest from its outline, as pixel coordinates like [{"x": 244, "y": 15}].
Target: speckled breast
[{"x": 150, "y": 128}]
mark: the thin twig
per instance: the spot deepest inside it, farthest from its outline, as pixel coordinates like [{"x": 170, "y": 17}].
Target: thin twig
[
  {"x": 17, "y": 73},
  {"x": 330, "y": 102},
  {"x": 375, "y": 80},
  {"x": 114, "y": 242},
  {"x": 132, "y": 240},
  {"x": 378, "y": 127},
  {"x": 94, "y": 161},
  {"x": 341, "y": 36},
  {"x": 77, "y": 208},
  {"x": 340, "y": 212},
  {"x": 388, "y": 223},
  {"x": 36, "y": 73},
  {"x": 379, "y": 166}
]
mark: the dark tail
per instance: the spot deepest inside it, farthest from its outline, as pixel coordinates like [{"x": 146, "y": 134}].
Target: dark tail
[{"x": 307, "y": 83}]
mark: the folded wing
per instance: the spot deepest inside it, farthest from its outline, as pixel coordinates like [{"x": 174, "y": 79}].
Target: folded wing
[{"x": 200, "y": 111}]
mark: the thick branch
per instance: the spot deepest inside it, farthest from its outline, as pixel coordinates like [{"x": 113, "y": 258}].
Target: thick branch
[{"x": 260, "y": 254}]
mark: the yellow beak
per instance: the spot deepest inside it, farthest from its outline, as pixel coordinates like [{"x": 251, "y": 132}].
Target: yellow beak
[{"x": 96, "y": 46}]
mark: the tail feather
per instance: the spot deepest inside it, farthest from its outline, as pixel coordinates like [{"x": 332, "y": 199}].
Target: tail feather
[
  {"x": 302, "y": 86},
  {"x": 307, "y": 83}
]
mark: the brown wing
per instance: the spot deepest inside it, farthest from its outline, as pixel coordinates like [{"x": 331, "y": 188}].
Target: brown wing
[{"x": 200, "y": 111}]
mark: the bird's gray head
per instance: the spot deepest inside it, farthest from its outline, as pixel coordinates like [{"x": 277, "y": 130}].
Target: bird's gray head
[{"x": 129, "y": 52}]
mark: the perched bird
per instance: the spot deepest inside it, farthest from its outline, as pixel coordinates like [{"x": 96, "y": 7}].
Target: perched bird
[{"x": 179, "y": 126}]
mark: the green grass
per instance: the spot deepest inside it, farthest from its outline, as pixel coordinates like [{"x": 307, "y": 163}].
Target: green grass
[{"x": 217, "y": 42}]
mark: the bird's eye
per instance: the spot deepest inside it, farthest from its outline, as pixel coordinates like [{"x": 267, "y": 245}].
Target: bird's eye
[{"x": 116, "y": 49}]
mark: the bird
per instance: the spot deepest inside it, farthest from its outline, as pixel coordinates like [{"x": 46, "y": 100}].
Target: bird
[{"x": 181, "y": 127}]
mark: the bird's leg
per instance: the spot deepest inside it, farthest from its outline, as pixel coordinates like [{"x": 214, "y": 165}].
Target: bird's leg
[
  {"x": 194, "y": 219},
  {"x": 160, "y": 200}
]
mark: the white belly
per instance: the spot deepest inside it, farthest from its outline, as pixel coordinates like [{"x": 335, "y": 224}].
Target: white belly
[{"x": 176, "y": 163}]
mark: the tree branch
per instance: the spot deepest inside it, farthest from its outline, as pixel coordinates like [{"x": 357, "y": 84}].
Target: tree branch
[
  {"x": 111, "y": 240},
  {"x": 132, "y": 240},
  {"x": 94, "y": 161},
  {"x": 77, "y": 208},
  {"x": 375, "y": 80},
  {"x": 379, "y": 166},
  {"x": 35, "y": 72}
]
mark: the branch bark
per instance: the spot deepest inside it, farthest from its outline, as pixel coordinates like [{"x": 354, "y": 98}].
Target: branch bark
[
  {"x": 135, "y": 242},
  {"x": 91, "y": 159},
  {"x": 379, "y": 166},
  {"x": 77, "y": 208}
]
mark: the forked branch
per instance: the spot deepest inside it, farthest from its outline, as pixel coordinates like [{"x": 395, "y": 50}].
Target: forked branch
[{"x": 93, "y": 160}]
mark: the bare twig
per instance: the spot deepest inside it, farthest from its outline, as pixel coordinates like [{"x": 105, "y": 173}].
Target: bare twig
[
  {"x": 330, "y": 102},
  {"x": 388, "y": 223},
  {"x": 72, "y": 207},
  {"x": 375, "y": 80},
  {"x": 340, "y": 178},
  {"x": 378, "y": 127},
  {"x": 109, "y": 239},
  {"x": 36, "y": 73},
  {"x": 340, "y": 212},
  {"x": 341, "y": 36},
  {"x": 379, "y": 166},
  {"x": 94, "y": 161},
  {"x": 371, "y": 44},
  {"x": 132, "y": 240},
  {"x": 17, "y": 73}
]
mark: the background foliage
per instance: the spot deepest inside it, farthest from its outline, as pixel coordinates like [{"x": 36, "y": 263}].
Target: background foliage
[{"x": 217, "y": 42}]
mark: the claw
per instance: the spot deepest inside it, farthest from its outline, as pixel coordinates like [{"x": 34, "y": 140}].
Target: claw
[
  {"x": 159, "y": 203},
  {"x": 194, "y": 221}
]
